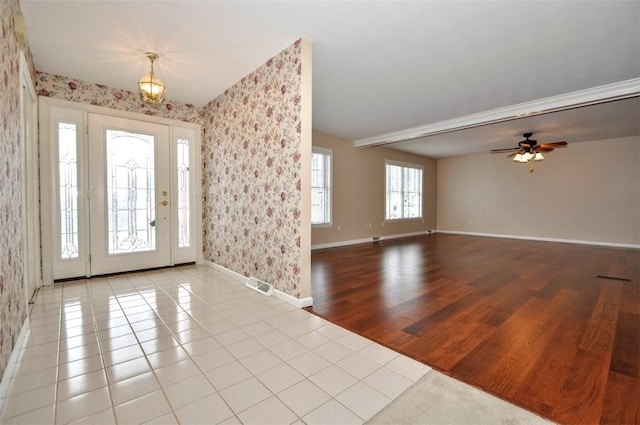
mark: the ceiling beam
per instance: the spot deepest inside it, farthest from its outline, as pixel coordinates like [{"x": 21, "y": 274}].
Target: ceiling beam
[{"x": 595, "y": 95}]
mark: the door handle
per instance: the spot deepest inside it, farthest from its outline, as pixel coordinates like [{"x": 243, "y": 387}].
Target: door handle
[{"x": 164, "y": 203}]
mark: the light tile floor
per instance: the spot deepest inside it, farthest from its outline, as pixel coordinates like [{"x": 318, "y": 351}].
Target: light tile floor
[{"x": 193, "y": 345}]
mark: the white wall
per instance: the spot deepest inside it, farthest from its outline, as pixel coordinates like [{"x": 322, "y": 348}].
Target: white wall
[{"x": 588, "y": 192}]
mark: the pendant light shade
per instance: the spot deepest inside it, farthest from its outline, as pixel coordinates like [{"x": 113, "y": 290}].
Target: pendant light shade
[{"x": 152, "y": 89}]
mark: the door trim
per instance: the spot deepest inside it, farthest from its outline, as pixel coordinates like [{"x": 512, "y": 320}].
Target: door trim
[
  {"x": 46, "y": 105},
  {"x": 29, "y": 174}
]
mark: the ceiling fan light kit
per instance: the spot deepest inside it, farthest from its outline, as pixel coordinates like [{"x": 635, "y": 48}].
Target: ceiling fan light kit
[{"x": 529, "y": 150}]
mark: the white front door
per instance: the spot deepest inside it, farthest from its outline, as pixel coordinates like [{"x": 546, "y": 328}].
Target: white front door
[
  {"x": 129, "y": 195},
  {"x": 118, "y": 193}
]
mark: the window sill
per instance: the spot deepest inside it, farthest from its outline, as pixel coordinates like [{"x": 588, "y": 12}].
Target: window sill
[
  {"x": 399, "y": 220},
  {"x": 321, "y": 225}
]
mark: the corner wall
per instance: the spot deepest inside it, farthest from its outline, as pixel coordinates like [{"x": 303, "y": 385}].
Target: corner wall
[
  {"x": 254, "y": 153},
  {"x": 589, "y": 191},
  {"x": 359, "y": 192},
  {"x": 12, "y": 302}
]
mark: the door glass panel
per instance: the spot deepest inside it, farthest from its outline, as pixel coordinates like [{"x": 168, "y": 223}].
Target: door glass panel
[
  {"x": 68, "y": 181},
  {"x": 183, "y": 194},
  {"x": 130, "y": 192}
]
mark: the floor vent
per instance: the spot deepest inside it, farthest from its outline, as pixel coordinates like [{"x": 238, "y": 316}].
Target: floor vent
[
  {"x": 259, "y": 286},
  {"x": 376, "y": 238},
  {"x": 624, "y": 279}
]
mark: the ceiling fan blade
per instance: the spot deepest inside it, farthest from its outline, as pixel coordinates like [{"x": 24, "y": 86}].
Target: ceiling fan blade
[
  {"x": 545, "y": 149},
  {"x": 554, "y": 144},
  {"x": 504, "y": 150},
  {"x": 526, "y": 145}
]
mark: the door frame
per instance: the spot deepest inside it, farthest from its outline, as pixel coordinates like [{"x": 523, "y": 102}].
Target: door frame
[
  {"x": 32, "y": 277},
  {"x": 47, "y": 145}
]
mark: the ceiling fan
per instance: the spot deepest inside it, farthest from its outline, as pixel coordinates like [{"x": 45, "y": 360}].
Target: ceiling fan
[{"x": 530, "y": 150}]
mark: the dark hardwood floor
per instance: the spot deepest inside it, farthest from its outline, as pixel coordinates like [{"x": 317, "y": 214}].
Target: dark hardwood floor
[{"x": 526, "y": 321}]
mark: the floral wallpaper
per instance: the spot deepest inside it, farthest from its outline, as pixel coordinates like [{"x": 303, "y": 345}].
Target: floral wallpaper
[
  {"x": 251, "y": 153},
  {"x": 251, "y": 156},
  {"x": 100, "y": 95},
  {"x": 12, "y": 303}
]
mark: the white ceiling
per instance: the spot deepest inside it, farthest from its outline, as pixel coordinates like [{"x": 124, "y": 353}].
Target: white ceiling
[{"x": 378, "y": 66}]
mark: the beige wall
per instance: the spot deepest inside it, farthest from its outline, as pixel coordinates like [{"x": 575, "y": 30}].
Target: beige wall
[
  {"x": 588, "y": 192},
  {"x": 359, "y": 195}
]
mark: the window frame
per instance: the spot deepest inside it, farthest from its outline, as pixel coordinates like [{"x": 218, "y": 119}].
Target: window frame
[
  {"x": 403, "y": 165},
  {"x": 328, "y": 198}
]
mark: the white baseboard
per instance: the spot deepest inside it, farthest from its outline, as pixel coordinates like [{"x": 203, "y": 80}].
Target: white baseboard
[
  {"x": 543, "y": 239},
  {"x": 224, "y": 270},
  {"x": 297, "y": 302},
  {"x": 369, "y": 240},
  {"x": 407, "y": 235},
  {"x": 11, "y": 365},
  {"x": 341, "y": 243}
]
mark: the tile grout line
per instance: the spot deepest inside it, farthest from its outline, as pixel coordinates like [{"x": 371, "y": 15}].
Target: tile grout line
[
  {"x": 174, "y": 336},
  {"x": 23, "y": 347},
  {"x": 144, "y": 354},
  {"x": 101, "y": 351},
  {"x": 191, "y": 358},
  {"x": 60, "y": 317},
  {"x": 231, "y": 354}
]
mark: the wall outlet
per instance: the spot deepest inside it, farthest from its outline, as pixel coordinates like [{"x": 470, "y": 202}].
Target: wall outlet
[
  {"x": 339, "y": 228},
  {"x": 369, "y": 225}
]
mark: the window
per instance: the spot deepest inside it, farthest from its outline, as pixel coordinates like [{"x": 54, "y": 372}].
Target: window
[
  {"x": 184, "y": 209},
  {"x": 321, "y": 187},
  {"x": 403, "y": 191},
  {"x": 68, "y": 190}
]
